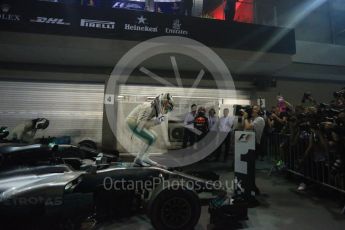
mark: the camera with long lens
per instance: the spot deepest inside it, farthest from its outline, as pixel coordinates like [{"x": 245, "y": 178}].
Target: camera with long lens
[
  {"x": 240, "y": 110},
  {"x": 307, "y": 121},
  {"x": 339, "y": 93},
  {"x": 321, "y": 114},
  {"x": 337, "y": 166}
]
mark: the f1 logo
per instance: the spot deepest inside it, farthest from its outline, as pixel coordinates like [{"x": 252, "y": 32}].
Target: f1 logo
[{"x": 244, "y": 137}]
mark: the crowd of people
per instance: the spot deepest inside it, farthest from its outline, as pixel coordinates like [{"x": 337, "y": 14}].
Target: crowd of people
[
  {"x": 310, "y": 138},
  {"x": 199, "y": 119},
  {"x": 205, "y": 122}
]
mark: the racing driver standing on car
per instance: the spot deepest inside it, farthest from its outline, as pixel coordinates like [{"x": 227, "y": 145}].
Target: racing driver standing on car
[{"x": 143, "y": 118}]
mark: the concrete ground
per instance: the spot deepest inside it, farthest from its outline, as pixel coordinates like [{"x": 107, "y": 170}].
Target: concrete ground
[{"x": 281, "y": 207}]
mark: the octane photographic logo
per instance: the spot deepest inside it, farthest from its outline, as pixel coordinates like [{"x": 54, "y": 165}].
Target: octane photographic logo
[
  {"x": 168, "y": 45},
  {"x": 171, "y": 184}
]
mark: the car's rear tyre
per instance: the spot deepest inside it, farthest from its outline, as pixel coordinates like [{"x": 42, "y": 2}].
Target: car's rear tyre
[{"x": 172, "y": 209}]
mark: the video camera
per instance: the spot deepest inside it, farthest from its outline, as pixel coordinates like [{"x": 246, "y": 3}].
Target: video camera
[
  {"x": 340, "y": 93},
  {"x": 240, "y": 110}
]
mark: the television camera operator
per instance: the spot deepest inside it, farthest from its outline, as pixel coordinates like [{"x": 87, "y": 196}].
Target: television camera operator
[{"x": 253, "y": 121}]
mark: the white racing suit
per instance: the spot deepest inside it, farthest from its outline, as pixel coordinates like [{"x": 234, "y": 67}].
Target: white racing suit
[
  {"x": 140, "y": 121},
  {"x": 24, "y": 132}
]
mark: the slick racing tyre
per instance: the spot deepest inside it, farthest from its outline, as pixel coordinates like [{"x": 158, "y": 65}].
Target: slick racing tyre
[{"x": 174, "y": 209}]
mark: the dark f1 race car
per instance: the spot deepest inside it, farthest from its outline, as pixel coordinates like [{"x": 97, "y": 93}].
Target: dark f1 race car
[
  {"x": 44, "y": 188},
  {"x": 42, "y": 196}
]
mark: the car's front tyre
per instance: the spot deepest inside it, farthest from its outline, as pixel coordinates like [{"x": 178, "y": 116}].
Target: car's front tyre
[{"x": 174, "y": 209}]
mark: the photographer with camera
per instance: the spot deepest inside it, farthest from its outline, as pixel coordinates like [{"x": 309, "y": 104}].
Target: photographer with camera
[
  {"x": 339, "y": 97},
  {"x": 316, "y": 153},
  {"x": 336, "y": 142},
  {"x": 277, "y": 119},
  {"x": 308, "y": 100}
]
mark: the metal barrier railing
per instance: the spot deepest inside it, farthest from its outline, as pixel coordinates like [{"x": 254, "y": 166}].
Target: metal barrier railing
[{"x": 288, "y": 152}]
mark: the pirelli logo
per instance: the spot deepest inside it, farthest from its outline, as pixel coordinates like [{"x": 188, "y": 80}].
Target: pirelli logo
[{"x": 109, "y": 25}]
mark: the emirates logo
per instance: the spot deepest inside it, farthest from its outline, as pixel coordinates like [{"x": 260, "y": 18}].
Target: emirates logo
[
  {"x": 176, "y": 24},
  {"x": 5, "y": 8}
]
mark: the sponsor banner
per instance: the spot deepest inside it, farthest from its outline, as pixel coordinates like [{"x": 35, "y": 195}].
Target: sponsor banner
[
  {"x": 7, "y": 13},
  {"x": 97, "y": 24},
  {"x": 47, "y": 20},
  {"x": 141, "y": 25},
  {"x": 25, "y": 16},
  {"x": 176, "y": 28}
]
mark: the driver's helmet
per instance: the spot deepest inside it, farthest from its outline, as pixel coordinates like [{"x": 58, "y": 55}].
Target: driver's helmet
[
  {"x": 167, "y": 102},
  {"x": 4, "y": 132},
  {"x": 41, "y": 123}
]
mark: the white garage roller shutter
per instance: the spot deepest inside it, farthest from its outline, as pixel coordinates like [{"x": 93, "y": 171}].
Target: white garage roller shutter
[{"x": 74, "y": 110}]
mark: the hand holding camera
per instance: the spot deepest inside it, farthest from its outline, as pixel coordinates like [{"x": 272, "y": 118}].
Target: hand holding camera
[{"x": 274, "y": 116}]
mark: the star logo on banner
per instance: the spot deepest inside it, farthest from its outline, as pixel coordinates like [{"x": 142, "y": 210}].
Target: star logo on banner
[{"x": 141, "y": 20}]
